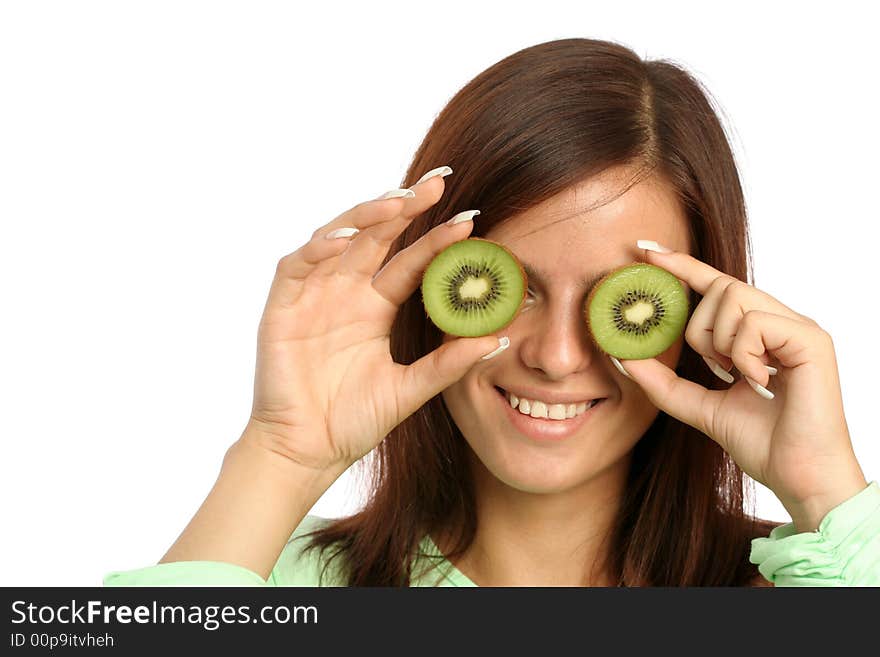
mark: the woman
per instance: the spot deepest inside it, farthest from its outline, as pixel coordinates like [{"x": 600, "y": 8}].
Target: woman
[{"x": 579, "y": 157}]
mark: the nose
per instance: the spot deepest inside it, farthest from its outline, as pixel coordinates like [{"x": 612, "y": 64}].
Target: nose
[{"x": 557, "y": 342}]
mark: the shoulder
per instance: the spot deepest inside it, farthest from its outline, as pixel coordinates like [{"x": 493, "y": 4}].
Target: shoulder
[{"x": 300, "y": 567}]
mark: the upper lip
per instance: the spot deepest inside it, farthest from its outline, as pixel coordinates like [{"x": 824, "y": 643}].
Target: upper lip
[{"x": 550, "y": 397}]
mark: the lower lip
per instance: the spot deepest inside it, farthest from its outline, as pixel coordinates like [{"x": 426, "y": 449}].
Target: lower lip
[{"x": 541, "y": 429}]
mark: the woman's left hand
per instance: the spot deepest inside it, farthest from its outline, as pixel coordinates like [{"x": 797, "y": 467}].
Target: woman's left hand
[{"x": 792, "y": 438}]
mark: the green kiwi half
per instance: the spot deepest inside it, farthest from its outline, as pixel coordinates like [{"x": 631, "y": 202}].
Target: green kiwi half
[
  {"x": 473, "y": 287},
  {"x": 637, "y": 311}
]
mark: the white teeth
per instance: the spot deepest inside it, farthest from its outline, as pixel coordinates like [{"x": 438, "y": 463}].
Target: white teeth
[
  {"x": 539, "y": 409},
  {"x": 556, "y": 412}
]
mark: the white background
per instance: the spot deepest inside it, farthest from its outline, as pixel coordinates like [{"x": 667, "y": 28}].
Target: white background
[{"x": 157, "y": 158}]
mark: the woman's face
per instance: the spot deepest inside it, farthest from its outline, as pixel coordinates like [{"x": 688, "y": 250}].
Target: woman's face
[{"x": 551, "y": 357}]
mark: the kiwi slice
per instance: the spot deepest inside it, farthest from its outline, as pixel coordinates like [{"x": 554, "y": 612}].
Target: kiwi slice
[
  {"x": 473, "y": 287},
  {"x": 637, "y": 311}
]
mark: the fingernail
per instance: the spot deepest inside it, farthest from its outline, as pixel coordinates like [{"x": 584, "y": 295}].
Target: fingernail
[
  {"x": 341, "y": 232},
  {"x": 439, "y": 171},
  {"x": 771, "y": 369},
  {"x": 719, "y": 371},
  {"x": 503, "y": 343},
  {"x": 467, "y": 215},
  {"x": 619, "y": 367},
  {"x": 761, "y": 390},
  {"x": 649, "y": 245},
  {"x": 398, "y": 193}
]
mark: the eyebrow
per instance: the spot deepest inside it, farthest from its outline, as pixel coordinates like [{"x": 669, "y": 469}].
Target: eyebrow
[{"x": 536, "y": 275}]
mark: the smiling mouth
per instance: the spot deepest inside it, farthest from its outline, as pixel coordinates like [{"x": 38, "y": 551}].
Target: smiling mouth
[{"x": 549, "y": 412}]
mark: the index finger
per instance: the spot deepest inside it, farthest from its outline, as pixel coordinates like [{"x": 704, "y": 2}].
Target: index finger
[{"x": 696, "y": 273}]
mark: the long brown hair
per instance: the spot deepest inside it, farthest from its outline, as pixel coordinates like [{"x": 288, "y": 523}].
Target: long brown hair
[{"x": 522, "y": 131}]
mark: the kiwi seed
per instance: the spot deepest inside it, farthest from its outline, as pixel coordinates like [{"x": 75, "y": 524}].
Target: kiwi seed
[
  {"x": 473, "y": 287},
  {"x": 637, "y": 311}
]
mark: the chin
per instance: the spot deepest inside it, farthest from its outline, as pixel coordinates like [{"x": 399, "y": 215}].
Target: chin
[{"x": 533, "y": 470}]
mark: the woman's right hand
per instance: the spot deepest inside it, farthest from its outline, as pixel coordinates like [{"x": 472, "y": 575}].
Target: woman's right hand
[{"x": 326, "y": 388}]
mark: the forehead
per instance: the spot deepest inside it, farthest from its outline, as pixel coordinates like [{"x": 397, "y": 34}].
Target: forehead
[{"x": 601, "y": 216}]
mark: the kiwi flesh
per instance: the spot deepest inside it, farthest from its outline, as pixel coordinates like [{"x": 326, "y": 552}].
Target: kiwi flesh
[
  {"x": 473, "y": 287},
  {"x": 637, "y": 311}
]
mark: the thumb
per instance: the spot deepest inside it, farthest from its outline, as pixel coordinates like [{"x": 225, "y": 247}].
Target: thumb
[
  {"x": 436, "y": 371},
  {"x": 682, "y": 399}
]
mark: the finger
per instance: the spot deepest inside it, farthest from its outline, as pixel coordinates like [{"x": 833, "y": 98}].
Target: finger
[
  {"x": 700, "y": 277},
  {"x": 791, "y": 342},
  {"x": 325, "y": 243},
  {"x": 293, "y": 268},
  {"x": 705, "y": 279},
  {"x": 705, "y": 327},
  {"x": 402, "y": 275},
  {"x": 320, "y": 255},
  {"x": 300, "y": 263},
  {"x": 429, "y": 192},
  {"x": 370, "y": 247},
  {"x": 436, "y": 371},
  {"x": 417, "y": 199},
  {"x": 366, "y": 214},
  {"x": 738, "y": 299},
  {"x": 729, "y": 314},
  {"x": 699, "y": 333},
  {"x": 349, "y": 225},
  {"x": 697, "y": 274},
  {"x": 748, "y": 348},
  {"x": 439, "y": 172},
  {"x": 682, "y": 399}
]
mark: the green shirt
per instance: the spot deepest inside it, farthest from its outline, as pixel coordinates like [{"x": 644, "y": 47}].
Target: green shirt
[{"x": 843, "y": 551}]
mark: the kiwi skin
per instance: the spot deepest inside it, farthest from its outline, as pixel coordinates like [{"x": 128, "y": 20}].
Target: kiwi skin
[
  {"x": 599, "y": 285},
  {"x": 522, "y": 272}
]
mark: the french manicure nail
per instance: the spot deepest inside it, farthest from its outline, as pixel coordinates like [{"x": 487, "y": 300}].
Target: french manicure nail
[
  {"x": 771, "y": 369},
  {"x": 761, "y": 390},
  {"x": 467, "y": 215},
  {"x": 503, "y": 343},
  {"x": 398, "y": 193},
  {"x": 650, "y": 245},
  {"x": 439, "y": 171},
  {"x": 719, "y": 371},
  {"x": 619, "y": 367},
  {"x": 341, "y": 232}
]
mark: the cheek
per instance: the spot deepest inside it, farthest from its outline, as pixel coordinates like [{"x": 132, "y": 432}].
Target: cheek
[
  {"x": 453, "y": 397},
  {"x": 458, "y": 400}
]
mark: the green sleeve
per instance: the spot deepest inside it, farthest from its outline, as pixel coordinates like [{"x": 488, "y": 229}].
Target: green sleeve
[
  {"x": 293, "y": 568},
  {"x": 843, "y": 551}
]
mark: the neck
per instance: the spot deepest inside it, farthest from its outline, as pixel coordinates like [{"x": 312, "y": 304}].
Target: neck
[{"x": 543, "y": 539}]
